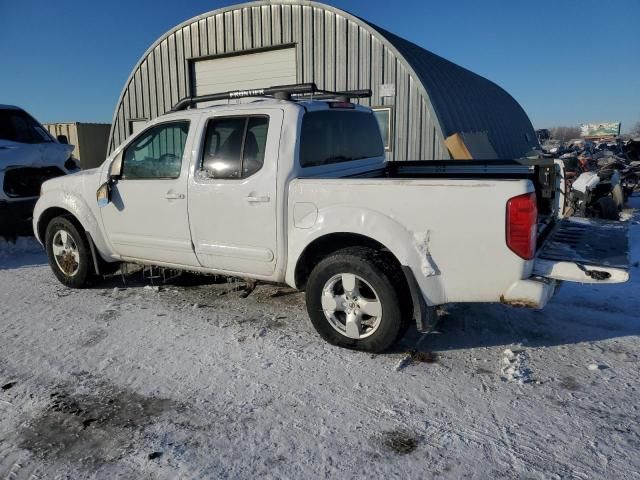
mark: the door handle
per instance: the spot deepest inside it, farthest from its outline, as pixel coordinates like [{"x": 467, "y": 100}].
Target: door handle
[
  {"x": 258, "y": 199},
  {"x": 174, "y": 196}
]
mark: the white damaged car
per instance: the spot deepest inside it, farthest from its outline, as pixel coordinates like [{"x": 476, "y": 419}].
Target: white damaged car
[{"x": 29, "y": 155}]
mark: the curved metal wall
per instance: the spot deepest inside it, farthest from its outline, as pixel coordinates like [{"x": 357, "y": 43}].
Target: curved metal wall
[{"x": 335, "y": 50}]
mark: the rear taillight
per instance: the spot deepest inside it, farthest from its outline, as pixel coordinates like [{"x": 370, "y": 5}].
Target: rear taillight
[{"x": 522, "y": 228}]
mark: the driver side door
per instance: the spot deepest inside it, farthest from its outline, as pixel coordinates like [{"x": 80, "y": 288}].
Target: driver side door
[{"x": 147, "y": 217}]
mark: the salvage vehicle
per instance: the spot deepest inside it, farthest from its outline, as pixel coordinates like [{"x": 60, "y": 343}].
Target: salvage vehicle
[
  {"x": 29, "y": 155},
  {"x": 294, "y": 188}
]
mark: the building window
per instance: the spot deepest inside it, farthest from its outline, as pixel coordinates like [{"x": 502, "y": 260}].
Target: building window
[{"x": 383, "y": 116}]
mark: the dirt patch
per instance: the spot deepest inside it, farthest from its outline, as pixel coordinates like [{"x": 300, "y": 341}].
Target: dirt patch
[
  {"x": 570, "y": 383},
  {"x": 90, "y": 429},
  {"x": 401, "y": 442}
]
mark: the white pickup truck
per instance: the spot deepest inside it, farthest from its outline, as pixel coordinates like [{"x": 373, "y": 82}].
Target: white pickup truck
[{"x": 298, "y": 192}]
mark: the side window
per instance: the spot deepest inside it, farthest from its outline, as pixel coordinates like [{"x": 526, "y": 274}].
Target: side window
[
  {"x": 157, "y": 153},
  {"x": 234, "y": 147}
]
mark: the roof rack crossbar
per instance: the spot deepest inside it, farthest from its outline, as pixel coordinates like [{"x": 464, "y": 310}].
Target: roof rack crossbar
[{"x": 280, "y": 92}]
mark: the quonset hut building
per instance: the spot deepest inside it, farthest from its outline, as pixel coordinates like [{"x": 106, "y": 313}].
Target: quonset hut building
[{"x": 419, "y": 97}]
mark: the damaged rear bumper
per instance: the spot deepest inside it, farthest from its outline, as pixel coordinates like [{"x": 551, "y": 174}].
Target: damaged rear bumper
[{"x": 530, "y": 293}]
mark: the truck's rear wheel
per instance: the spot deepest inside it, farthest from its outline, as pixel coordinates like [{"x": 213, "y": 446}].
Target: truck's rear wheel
[
  {"x": 354, "y": 301},
  {"x": 68, "y": 253}
]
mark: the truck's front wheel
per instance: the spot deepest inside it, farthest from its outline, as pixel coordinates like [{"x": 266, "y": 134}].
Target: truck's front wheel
[
  {"x": 68, "y": 252},
  {"x": 354, "y": 301}
]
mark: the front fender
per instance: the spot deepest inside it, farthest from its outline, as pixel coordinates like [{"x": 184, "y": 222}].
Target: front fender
[
  {"x": 78, "y": 207},
  {"x": 410, "y": 248}
]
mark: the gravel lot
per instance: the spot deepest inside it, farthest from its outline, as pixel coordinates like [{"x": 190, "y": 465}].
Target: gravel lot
[{"x": 132, "y": 381}]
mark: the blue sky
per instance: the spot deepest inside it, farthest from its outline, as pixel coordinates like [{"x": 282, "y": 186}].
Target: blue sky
[{"x": 565, "y": 61}]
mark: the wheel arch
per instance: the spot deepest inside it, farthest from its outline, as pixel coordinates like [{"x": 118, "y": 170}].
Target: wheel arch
[
  {"x": 325, "y": 245},
  {"x": 342, "y": 226}
]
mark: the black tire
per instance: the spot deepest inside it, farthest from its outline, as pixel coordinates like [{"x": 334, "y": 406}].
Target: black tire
[
  {"x": 82, "y": 269},
  {"x": 376, "y": 269},
  {"x": 607, "y": 209}
]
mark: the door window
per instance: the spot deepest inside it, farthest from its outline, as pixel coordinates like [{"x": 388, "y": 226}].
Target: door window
[
  {"x": 234, "y": 147},
  {"x": 157, "y": 153}
]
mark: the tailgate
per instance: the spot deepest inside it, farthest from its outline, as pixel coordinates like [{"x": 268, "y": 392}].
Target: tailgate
[{"x": 585, "y": 250}]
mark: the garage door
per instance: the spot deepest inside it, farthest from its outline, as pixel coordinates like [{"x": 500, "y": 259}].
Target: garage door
[{"x": 251, "y": 70}]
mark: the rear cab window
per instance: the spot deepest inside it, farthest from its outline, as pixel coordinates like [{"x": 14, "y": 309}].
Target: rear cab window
[{"x": 336, "y": 136}]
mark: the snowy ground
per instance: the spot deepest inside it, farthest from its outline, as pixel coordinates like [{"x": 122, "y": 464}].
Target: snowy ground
[{"x": 197, "y": 382}]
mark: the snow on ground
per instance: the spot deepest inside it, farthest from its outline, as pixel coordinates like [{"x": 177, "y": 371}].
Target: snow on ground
[{"x": 122, "y": 381}]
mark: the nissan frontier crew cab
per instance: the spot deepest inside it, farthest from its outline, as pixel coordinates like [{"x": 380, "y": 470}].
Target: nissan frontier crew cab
[{"x": 294, "y": 188}]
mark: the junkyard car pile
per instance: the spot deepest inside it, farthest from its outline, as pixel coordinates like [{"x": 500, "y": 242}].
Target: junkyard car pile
[{"x": 600, "y": 177}]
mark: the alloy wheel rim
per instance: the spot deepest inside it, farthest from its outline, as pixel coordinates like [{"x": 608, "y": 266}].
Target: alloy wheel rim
[
  {"x": 66, "y": 253},
  {"x": 351, "y": 306}
]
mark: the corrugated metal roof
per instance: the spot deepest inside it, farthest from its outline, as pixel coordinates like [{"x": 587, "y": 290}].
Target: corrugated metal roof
[
  {"x": 467, "y": 102},
  {"x": 433, "y": 99}
]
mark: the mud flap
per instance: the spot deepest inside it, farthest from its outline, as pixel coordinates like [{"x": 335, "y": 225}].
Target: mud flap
[
  {"x": 586, "y": 251},
  {"x": 426, "y": 316}
]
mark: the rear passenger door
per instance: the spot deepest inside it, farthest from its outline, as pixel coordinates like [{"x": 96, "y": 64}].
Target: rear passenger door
[{"x": 232, "y": 199}]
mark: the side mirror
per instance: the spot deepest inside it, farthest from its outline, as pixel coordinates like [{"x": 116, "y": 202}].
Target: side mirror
[{"x": 63, "y": 139}]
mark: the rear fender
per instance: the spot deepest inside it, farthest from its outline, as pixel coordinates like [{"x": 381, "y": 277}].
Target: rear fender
[{"x": 410, "y": 248}]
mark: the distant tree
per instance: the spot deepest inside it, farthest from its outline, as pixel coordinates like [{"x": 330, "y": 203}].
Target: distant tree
[{"x": 564, "y": 133}]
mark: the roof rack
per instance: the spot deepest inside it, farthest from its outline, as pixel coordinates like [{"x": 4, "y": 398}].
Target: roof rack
[{"x": 280, "y": 92}]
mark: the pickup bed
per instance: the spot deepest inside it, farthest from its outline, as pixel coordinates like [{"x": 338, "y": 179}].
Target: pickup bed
[{"x": 299, "y": 192}]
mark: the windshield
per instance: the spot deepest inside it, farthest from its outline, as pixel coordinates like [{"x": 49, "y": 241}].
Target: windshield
[
  {"x": 335, "y": 136},
  {"x": 18, "y": 126}
]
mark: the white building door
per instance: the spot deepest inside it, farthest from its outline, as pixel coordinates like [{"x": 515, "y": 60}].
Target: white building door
[{"x": 245, "y": 71}]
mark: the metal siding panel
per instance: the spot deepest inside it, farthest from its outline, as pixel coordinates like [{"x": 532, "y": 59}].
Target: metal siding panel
[
  {"x": 166, "y": 76},
  {"x": 228, "y": 32},
  {"x": 180, "y": 65},
  {"x": 237, "y": 30},
  {"x": 342, "y": 48},
  {"x": 306, "y": 40},
  {"x": 353, "y": 55},
  {"x": 139, "y": 93},
  {"x": 318, "y": 48},
  {"x": 376, "y": 70},
  {"x": 221, "y": 46},
  {"x": 287, "y": 24},
  {"x": 195, "y": 39},
  {"x": 414, "y": 121},
  {"x": 122, "y": 125},
  {"x": 426, "y": 148},
  {"x": 402, "y": 112},
  {"x": 364, "y": 80},
  {"x": 146, "y": 104},
  {"x": 211, "y": 36},
  {"x": 266, "y": 25},
  {"x": 256, "y": 26},
  {"x": 202, "y": 37},
  {"x": 276, "y": 24},
  {"x": 153, "y": 102},
  {"x": 157, "y": 73},
  {"x": 247, "y": 22},
  {"x": 330, "y": 49}
]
